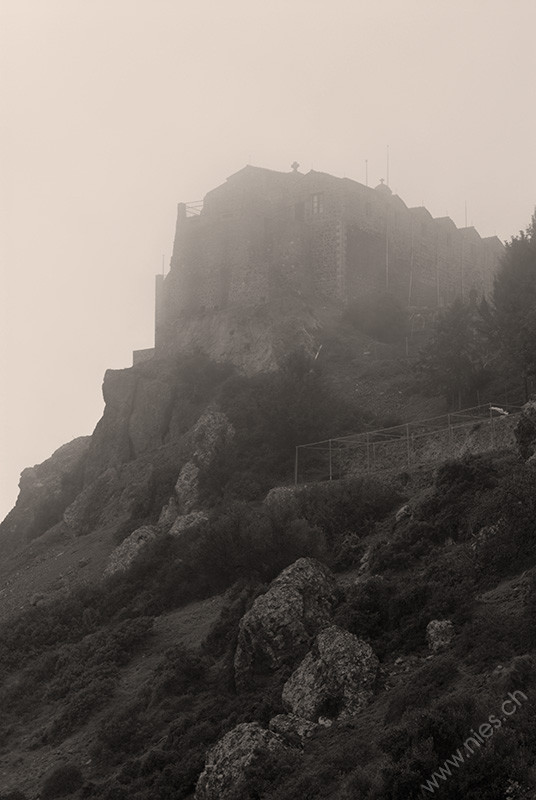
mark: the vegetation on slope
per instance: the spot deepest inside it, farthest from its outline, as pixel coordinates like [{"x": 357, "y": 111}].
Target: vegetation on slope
[{"x": 478, "y": 344}]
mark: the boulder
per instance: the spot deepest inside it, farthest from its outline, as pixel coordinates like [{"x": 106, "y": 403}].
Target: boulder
[
  {"x": 294, "y": 730},
  {"x": 525, "y": 431},
  {"x": 128, "y": 551},
  {"x": 335, "y": 680},
  {"x": 186, "y": 522},
  {"x": 281, "y": 623},
  {"x": 439, "y": 634},
  {"x": 243, "y": 752}
]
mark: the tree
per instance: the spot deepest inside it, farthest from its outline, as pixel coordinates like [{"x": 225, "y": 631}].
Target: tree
[
  {"x": 455, "y": 358},
  {"x": 514, "y": 302}
]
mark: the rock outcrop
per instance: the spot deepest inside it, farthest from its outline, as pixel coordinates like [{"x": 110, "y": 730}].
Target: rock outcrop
[
  {"x": 128, "y": 551},
  {"x": 46, "y": 490},
  {"x": 186, "y": 522},
  {"x": 211, "y": 432},
  {"x": 281, "y": 623},
  {"x": 439, "y": 634},
  {"x": 241, "y": 753},
  {"x": 117, "y": 498},
  {"x": 139, "y": 403},
  {"x": 335, "y": 680},
  {"x": 187, "y": 488},
  {"x": 168, "y": 515}
]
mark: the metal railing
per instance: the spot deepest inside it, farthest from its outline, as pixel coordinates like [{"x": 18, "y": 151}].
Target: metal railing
[{"x": 194, "y": 209}]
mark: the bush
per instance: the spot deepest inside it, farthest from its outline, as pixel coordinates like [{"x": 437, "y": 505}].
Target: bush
[
  {"x": 410, "y": 543},
  {"x": 348, "y": 506},
  {"x": 63, "y": 780},
  {"x": 459, "y": 488},
  {"x": 241, "y": 542},
  {"x": 272, "y": 413},
  {"x": 223, "y": 635},
  {"x": 422, "y": 687},
  {"x": 365, "y": 610}
]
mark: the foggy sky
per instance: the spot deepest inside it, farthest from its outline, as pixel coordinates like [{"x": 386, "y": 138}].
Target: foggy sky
[{"x": 115, "y": 110}]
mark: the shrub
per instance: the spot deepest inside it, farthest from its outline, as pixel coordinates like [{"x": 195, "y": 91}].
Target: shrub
[
  {"x": 424, "y": 686},
  {"x": 223, "y": 634},
  {"x": 63, "y": 780},
  {"x": 241, "y": 542},
  {"x": 272, "y": 413},
  {"x": 352, "y": 505},
  {"x": 409, "y": 543},
  {"x": 455, "y": 505},
  {"x": 365, "y": 610}
]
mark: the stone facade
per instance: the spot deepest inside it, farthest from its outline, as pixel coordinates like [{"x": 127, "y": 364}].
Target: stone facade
[{"x": 264, "y": 235}]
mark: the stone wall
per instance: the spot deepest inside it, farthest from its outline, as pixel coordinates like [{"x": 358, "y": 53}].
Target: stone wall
[{"x": 263, "y": 235}]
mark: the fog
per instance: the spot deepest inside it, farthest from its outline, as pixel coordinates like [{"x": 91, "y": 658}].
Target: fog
[{"x": 115, "y": 110}]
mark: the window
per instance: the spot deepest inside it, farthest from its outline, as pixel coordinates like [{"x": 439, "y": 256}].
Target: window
[{"x": 318, "y": 203}]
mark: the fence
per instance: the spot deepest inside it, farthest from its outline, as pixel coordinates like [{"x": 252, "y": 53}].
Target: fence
[{"x": 417, "y": 443}]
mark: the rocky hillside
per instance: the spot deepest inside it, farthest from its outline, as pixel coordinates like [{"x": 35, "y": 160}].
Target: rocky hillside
[{"x": 173, "y": 626}]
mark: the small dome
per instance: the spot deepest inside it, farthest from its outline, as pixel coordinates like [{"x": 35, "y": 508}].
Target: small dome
[{"x": 383, "y": 188}]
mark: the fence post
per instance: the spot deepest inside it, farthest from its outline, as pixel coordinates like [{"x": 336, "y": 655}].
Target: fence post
[
  {"x": 492, "y": 426},
  {"x": 450, "y": 434},
  {"x": 296, "y": 466},
  {"x": 330, "y": 462},
  {"x": 408, "y": 444},
  {"x": 368, "y": 454}
]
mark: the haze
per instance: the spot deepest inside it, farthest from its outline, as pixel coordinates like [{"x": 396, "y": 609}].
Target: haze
[{"x": 115, "y": 110}]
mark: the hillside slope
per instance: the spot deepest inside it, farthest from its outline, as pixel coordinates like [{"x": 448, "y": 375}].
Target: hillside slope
[{"x": 147, "y": 642}]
